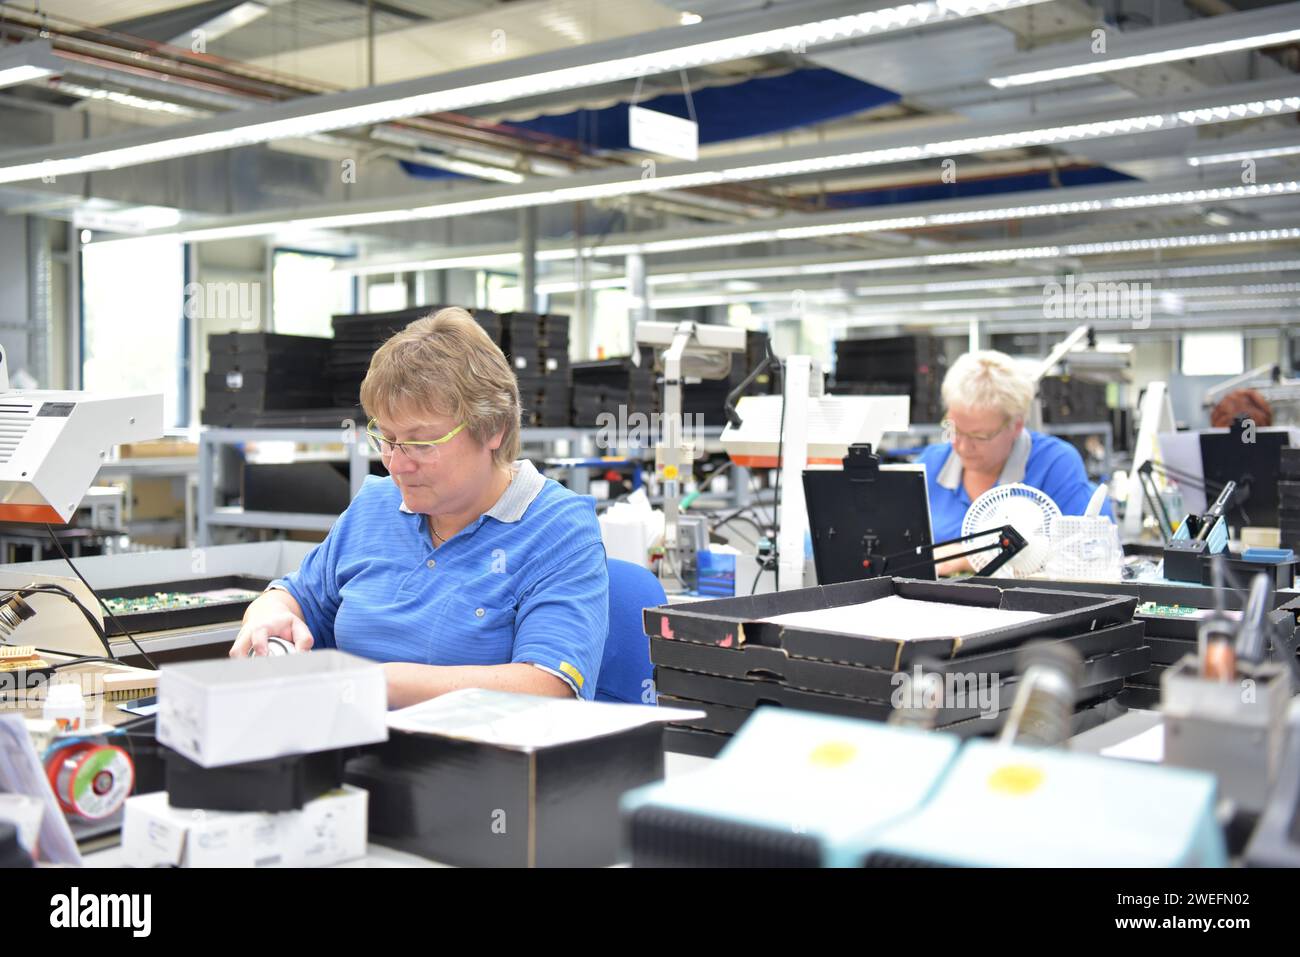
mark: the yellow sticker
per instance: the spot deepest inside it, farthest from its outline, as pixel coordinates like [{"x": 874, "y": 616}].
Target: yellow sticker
[
  {"x": 670, "y": 471},
  {"x": 1016, "y": 779},
  {"x": 572, "y": 672},
  {"x": 832, "y": 754}
]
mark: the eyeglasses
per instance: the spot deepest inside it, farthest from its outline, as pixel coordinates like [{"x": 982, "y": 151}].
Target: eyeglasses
[
  {"x": 415, "y": 451},
  {"x": 951, "y": 433}
]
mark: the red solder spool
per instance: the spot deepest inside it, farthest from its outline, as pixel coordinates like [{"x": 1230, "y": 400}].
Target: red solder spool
[{"x": 91, "y": 780}]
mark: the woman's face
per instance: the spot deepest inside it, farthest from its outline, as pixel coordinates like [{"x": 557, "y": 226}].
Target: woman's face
[
  {"x": 452, "y": 478},
  {"x": 983, "y": 437}
]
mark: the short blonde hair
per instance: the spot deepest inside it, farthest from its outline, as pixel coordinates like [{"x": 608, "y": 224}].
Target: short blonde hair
[
  {"x": 988, "y": 379},
  {"x": 447, "y": 365}
]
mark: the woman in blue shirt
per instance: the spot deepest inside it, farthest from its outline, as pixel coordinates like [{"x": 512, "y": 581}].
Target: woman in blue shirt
[
  {"x": 463, "y": 568},
  {"x": 987, "y": 444}
]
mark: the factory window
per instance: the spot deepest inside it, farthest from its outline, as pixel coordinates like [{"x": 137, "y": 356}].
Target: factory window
[
  {"x": 385, "y": 296},
  {"x": 134, "y": 306},
  {"x": 1213, "y": 353},
  {"x": 308, "y": 292},
  {"x": 499, "y": 292}
]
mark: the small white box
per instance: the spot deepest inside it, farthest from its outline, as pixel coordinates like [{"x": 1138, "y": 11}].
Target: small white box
[
  {"x": 237, "y": 710},
  {"x": 328, "y": 830}
]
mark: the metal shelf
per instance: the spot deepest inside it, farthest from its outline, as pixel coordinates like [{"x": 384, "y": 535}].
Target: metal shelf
[
  {"x": 289, "y": 521},
  {"x": 356, "y": 452}
]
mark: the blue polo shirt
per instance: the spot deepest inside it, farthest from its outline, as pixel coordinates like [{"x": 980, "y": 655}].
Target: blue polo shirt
[
  {"x": 1042, "y": 461},
  {"x": 524, "y": 582}
]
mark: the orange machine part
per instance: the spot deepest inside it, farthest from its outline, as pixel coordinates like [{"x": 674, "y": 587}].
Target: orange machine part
[
  {"x": 771, "y": 461},
  {"x": 42, "y": 514}
]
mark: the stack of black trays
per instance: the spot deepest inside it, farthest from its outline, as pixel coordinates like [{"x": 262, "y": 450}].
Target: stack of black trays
[
  {"x": 262, "y": 378},
  {"x": 537, "y": 348},
  {"x": 1288, "y": 499},
  {"x": 1071, "y": 399},
  {"x": 724, "y": 659},
  {"x": 900, "y": 365},
  {"x": 356, "y": 337},
  {"x": 606, "y": 386}
]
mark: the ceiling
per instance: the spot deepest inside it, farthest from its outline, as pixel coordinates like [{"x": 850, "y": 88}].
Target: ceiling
[{"x": 138, "y": 70}]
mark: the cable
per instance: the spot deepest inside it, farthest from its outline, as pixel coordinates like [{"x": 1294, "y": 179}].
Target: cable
[
  {"x": 776, "y": 503},
  {"x": 103, "y": 604}
]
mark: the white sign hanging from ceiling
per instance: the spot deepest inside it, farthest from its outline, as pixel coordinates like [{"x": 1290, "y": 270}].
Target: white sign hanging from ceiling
[{"x": 660, "y": 133}]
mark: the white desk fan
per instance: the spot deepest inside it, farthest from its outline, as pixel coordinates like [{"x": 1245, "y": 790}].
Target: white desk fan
[{"x": 1026, "y": 509}]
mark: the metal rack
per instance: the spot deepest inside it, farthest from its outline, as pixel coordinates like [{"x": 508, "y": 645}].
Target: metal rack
[{"x": 575, "y": 442}]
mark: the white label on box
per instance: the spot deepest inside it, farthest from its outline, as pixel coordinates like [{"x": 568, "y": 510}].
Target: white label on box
[
  {"x": 234, "y": 380},
  {"x": 521, "y": 362},
  {"x": 552, "y": 364},
  {"x": 660, "y": 133}
]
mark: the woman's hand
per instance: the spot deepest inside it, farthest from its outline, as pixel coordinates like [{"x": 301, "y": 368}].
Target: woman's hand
[{"x": 273, "y": 615}]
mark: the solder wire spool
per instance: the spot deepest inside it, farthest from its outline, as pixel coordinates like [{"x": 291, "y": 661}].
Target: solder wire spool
[{"x": 91, "y": 780}]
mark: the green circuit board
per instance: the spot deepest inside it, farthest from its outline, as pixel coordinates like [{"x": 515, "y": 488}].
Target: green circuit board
[
  {"x": 1156, "y": 610},
  {"x": 170, "y": 601}
]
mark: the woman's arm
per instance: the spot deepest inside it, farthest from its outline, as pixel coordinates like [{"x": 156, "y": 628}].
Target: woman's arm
[{"x": 410, "y": 683}]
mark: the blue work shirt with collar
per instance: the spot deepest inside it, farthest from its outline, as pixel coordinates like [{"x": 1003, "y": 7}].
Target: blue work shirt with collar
[
  {"x": 524, "y": 582},
  {"x": 1042, "y": 461}
]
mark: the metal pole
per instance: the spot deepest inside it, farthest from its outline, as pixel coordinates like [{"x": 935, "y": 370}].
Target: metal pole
[{"x": 528, "y": 254}]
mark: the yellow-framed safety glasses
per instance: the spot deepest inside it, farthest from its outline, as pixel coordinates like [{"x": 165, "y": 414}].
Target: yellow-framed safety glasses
[{"x": 416, "y": 451}]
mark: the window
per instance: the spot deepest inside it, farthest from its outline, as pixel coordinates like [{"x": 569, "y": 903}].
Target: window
[
  {"x": 1213, "y": 353},
  {"x": 134, "y": 303},
  {"x": 308, "y": 293}
]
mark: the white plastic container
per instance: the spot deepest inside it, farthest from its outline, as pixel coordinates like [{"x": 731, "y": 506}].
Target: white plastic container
[{"x": 65, "y": 706}]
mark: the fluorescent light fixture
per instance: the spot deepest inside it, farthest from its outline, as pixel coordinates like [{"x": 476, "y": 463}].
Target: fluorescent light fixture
[
  {"x": 722, "y": 40},
  {"x": 809, "y": 226},
  {"x": 1211, "y": 36},
  {"x": 689, "y": 19},
  {"x": 1234, "y": 151},
  {"x": 220, "y": 25},
  {"x": 1253, "y": 100},
  {"x": 25, "y": 62}
]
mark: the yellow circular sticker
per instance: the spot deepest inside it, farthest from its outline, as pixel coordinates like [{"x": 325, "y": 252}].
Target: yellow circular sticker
[
  {"x": 670, "y": 471},
  {"x": 832, "y": 754},
  {"x": 1016, "y": 779}
]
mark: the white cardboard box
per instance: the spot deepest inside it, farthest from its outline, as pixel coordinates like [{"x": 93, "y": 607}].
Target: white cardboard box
[
  {"x": 236, "y": 710},
  {"x": 328, "y": 830}
]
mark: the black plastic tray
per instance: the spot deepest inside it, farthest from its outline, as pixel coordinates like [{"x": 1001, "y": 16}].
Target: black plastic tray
[{"x": 209, "y": 614}]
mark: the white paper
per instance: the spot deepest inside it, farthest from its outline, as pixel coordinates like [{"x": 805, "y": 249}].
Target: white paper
[
  {"x": 21, "y": 773},
  {"x": 1147, "y": 746},
  {"x": 905, "y": 619},
  {"x": 1181, "y": 451},
  {"x": 525, "y": 722}
]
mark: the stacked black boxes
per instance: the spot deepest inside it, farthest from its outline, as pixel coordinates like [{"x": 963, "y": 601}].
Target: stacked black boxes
[
  {"x": 261, "y": 378},
  {"x": 356, "y": 337},
  {"x": 726, "y": 659},
  {"x": 606, "y": 386},
  {"x": 537, "y": 348},
  {"x": 1288, "y": 499},
  {"x": 1068, "y": 399},
  {"x": 901, "y": 365}
]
